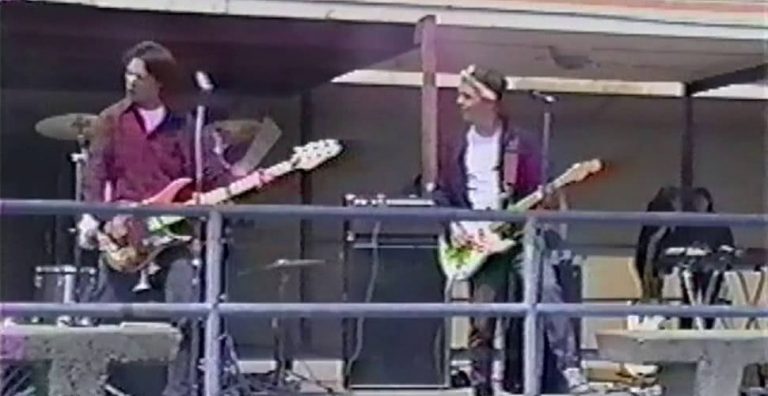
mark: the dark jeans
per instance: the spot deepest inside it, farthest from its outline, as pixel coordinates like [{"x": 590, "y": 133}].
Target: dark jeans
[
  {"x": 173, "y": 283},
  {"x": 500, "y": 280},
  {"x": 491, "y": 284}
]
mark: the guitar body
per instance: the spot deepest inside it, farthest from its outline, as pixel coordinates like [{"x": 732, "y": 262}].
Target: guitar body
[
  {"x": 484, "y": 239},
  {"x": 459, "y": 263},
  {"x": 130, "y": 244}
]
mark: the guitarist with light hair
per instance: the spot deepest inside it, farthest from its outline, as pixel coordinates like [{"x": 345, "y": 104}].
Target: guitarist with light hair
[
  {"x": 492, "y": 165},
  {"x": 143, "y": 143}
]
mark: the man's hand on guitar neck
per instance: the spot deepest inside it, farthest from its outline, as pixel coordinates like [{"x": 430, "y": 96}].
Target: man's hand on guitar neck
[
  {"x": 261, "y": 177},
  {"x": 255, "y": 179}
]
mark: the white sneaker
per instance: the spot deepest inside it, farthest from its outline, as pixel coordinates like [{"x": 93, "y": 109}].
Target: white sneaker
[{"x": 577, "y": 382}]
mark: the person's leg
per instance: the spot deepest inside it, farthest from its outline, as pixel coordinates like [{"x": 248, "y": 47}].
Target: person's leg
[
  {"x": 117, "y": 287},
  {"x": 486, "y": 286},
  {"x": 513, "y": 338},
  {"x": 179, "y": 277},
  {"x": 560, "y": 332},
  {"x": 559, "y": 329},
  {"x": 112, "y": 286}
]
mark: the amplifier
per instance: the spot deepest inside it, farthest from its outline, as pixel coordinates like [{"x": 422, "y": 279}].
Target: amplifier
[
  {"x": 391, "y": 232},
  {"x": 393, "y": 262}
]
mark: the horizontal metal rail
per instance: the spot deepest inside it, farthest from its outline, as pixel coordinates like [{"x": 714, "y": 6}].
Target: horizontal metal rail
[
  {"x": 213, "y": 309},
  {"x": 59, "y": 207},
  {"x": 376, "y": 310}
]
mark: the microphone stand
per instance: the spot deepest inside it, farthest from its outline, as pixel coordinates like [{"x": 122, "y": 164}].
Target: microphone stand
[
  {"x": 197, "y": 244},
  {"x": 545, "y": 189},
  {"x": 548, "y": 101}
]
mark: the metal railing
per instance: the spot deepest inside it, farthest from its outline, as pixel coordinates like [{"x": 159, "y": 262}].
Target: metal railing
[{"x": 213, "y": 309}]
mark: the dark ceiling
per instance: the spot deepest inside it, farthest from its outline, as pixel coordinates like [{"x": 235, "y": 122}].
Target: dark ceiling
[{"x": 72, "y": 47}]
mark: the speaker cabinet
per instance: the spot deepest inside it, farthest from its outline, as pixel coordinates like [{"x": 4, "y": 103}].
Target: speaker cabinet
[{"x": 393, "y": 263}]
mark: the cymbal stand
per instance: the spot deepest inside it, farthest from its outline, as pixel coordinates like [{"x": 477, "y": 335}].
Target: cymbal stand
[
  {"x": 284, "y": 364},
  {"x": 79, "y": 158}
]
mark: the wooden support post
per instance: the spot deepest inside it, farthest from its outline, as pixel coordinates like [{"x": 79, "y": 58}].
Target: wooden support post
[{"x": 426, "y": 38}]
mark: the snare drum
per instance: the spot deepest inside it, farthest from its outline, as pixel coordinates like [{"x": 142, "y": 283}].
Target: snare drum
[{"x": 56, "y": 283}]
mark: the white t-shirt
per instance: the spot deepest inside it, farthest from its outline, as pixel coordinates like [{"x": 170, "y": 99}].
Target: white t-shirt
[
  {"x": 152, "y": 118},
  {"x": 482, "y": 161}
]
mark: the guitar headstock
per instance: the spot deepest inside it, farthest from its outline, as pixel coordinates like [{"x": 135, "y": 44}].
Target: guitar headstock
[
  {"x": 578, "y": 172},
  {"x": 313, "y": 154}
]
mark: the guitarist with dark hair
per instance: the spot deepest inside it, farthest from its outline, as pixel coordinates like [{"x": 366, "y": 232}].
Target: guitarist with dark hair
[
  {"x": 142, "y": 145},
  {"x": 491, "y": 166}
]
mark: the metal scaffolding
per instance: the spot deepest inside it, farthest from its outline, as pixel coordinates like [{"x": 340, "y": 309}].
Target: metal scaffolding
[{"x": 213, "y": 309}]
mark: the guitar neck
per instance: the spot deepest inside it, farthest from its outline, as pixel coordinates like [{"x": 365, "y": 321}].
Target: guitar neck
[
  {"x": 529, "y": 201},
  {"x": 537, "y": 196},
  {"x": 241, "y": 186}
]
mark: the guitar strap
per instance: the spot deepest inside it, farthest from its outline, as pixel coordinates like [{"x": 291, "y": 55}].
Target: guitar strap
[{"x": 510, "y": 159}]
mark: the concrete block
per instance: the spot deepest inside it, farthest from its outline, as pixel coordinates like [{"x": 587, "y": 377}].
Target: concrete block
[
  {"x": 79, "y": 356},
  {"x": 692, "y": 362}
]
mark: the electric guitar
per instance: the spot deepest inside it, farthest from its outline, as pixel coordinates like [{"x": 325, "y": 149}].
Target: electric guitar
[
  {"x": 459, "y": 261},
  {"x": 130, "y": 244}
]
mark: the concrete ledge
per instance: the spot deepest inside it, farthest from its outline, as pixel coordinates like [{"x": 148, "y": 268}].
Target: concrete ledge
[
  {"x": 79, "y": 356},
  {"x": 690, "y": 346},
  {"x": 692, "y": 362}
]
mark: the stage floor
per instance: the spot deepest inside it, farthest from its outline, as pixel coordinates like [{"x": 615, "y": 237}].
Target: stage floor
[{"x": 328, "y": 372}]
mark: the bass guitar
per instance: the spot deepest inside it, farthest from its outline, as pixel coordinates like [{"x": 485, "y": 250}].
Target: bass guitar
[{"x": 130, "y": 244}]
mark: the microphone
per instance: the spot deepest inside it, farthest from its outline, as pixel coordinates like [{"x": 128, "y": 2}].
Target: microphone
[
  {"x": 549, "y": 99},
  {"x": 203, "y": 81}
]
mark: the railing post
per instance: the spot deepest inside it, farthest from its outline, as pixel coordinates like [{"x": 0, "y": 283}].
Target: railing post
[
  {"x": 212, "y": 296},
  {"x": 531, "y": 266}
]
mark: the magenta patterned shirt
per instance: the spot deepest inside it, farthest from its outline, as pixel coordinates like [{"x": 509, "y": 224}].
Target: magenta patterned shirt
[{"x": 138, "y": 164}]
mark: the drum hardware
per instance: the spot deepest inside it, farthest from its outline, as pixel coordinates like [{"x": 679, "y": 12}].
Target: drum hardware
[
  {"x": 260, "y": 136},
  {"x": 58, "y": 283},
  {"x": 74, "y": 126},
  {"x": 79, "y": 127},
  {"x": 284, "y": 379}
]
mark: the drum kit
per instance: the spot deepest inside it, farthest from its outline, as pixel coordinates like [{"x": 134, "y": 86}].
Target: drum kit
[{"x": 69, "y": 283}]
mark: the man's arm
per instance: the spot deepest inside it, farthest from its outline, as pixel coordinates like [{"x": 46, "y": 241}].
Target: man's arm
[
  {"x": 97, "y": 175},
  {"x": 98, "y": 168}
]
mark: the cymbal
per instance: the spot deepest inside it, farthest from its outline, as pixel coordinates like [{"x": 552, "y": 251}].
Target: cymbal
[
  {"x": 259, "y": 136},
  {"x": 67, "y": 126},
  {"x": 236, "y": 131}
]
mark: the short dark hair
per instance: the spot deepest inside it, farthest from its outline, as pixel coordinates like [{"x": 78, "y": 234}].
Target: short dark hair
[
  {"x": 491, "y": 78},
  {"x": 160, "y": 63}
]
